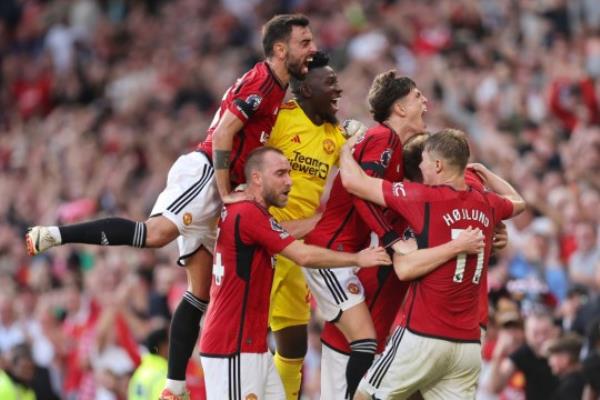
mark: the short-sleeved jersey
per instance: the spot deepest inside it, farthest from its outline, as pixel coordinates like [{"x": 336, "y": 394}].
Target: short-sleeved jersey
[
  {"x": 255, "y": 99},
  {"x": 445, "y": 302},
  {"x": 384, "y": 294},
  {"x": 237, "y": 317},
  {"x": 312, "y": 151},
  {"x": 347, "y": 221}
]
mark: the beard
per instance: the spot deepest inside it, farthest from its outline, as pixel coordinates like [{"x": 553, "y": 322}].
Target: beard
[
  {"x": 294, "y": 68},
  {"x": 272, "y": 199}
]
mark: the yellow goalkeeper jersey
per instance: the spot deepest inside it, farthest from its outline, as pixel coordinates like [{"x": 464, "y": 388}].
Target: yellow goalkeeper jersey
[{"x": 312, "y": 151}]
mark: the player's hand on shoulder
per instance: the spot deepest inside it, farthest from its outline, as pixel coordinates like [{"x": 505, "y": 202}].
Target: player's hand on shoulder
[
  {"x": 470, "y": 240},
  {"x": 481, "y": 170},
  {"x": 235, "y": 197},
  {"x": 373, "y": 256},
  {"x": 353, "y": 128}
]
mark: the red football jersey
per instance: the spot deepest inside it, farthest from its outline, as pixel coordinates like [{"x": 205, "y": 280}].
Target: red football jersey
[
  {"x": 347, "y": 221},
  {"x": 255, "y": 99},
  {"x": 384, "y": 294},
  {"x": 237, "y": 316},
  {"x": 445, "y": 302}
]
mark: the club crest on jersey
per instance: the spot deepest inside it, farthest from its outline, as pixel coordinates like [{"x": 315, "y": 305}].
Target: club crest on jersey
[
  {"x": 278, "y": 228},
  {"x": 187, "y": 218},
  {"x": 398, "y": 189},
  {"x": 386, "y": 157},
  {"x": 253, "y": 101},
  {"x": 328, "y": 146}
]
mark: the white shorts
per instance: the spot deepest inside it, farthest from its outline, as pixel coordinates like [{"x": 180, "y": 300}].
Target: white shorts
[
  {"x": 191, "y": 201},
  {"x": 333, "y": 374},
  {"x": 247, "y": 376},
  {"x": 438, "y": 368},
  {"x": 335, "y": 290}
]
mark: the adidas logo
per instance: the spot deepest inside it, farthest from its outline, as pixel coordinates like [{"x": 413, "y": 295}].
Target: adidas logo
[
  {"x": 104, "y": 240},
  {"x": 296, "y": 139}
]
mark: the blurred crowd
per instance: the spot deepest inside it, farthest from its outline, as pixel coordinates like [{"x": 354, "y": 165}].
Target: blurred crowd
[{"x": 99, "y": 97}]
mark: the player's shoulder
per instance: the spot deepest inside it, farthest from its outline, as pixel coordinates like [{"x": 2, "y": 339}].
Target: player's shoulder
[
  {"x": 380, "y": 135},
  {"x": 245, "y": 208},
  {"x": 259, "y": 78},
  {"x": 289, "y": 106}
]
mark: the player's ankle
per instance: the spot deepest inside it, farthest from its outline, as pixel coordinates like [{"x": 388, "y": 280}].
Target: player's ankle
[{"x": 176, "y": 387}]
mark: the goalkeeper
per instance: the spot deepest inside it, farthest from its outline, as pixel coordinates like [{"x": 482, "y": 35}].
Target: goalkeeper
[{"x": 308, "y": 133}]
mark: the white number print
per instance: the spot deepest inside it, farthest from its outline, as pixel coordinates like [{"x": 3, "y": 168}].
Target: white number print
[
  {"x": 218, "y": 269},
  {"x": 461, "y": 262}
]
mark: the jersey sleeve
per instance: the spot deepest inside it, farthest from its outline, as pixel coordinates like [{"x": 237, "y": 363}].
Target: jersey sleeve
[
  {"x": 248, "y": 96},
  {"x": 264, "y": 230},
  {"x": 375, "y": 157},
  {"x": 503, "y": 208},
  {"x": 406, "y": 199}
]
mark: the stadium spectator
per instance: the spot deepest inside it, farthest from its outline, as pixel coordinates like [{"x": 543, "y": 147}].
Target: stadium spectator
[{"x": 563, "y": 358}]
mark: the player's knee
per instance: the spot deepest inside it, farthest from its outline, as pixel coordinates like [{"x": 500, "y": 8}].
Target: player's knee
[
  {"x": 199, "y": 273},
  {"x": 292, "y": 341},
  {"x": 160, "y": 232},
  {"x": 361, "y": 395}
]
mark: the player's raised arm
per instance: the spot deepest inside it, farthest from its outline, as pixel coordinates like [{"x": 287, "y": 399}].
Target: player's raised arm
[
  {"x": 414, "y": 264},
  {"x": 356, "y": 181},
  {"x": 319, "y": 257},
  {"x": 500, "y": 186},
  {"x": 223, "y": 136}
]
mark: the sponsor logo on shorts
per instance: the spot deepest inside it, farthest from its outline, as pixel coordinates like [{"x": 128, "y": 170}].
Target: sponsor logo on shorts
[
  {"x": 187, "y": 218},
  {"x": 328, "y": 146}
]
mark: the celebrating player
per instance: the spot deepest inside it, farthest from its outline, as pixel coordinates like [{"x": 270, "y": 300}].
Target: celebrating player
[
  {"x": 398, "y": 107},
  {"x": 188, "y": 207},
  {"x": 233, "y": 346},
  {"x": 432, "y": 351},
  {"x": 308, "y": 134}
]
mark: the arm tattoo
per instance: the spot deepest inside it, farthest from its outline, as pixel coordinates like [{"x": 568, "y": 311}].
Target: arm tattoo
[{"x": 222, "y": 159}]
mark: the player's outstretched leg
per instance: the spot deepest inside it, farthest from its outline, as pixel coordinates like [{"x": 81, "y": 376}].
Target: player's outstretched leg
[
  {"x": 185, "y": 325},
  {"x": 156, "y": 232},
  {"x": 357, "y": 326}
]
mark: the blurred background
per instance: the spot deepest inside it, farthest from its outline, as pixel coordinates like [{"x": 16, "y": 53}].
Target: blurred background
[{"x": 99, "y": 97}]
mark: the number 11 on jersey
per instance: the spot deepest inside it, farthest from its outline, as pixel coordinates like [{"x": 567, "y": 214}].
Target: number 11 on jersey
[{"x": 461, "y": 262}]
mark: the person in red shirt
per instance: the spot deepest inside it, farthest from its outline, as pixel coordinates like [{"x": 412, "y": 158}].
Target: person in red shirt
[
  {"x": 235, "y": 356},
  {"x": 188, "y": 207},
  {"x": 436, "y": 348}
]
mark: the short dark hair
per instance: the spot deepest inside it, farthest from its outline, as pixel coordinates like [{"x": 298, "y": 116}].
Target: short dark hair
[
  {"x": 451, "y": 145},
  {"x": 256, "y": 158},
  {"x": 412, "y": 155},
  {"x": 279, "y": 28},
  {"x": 156, "y": 338},
  {"x": 319, "y": 60},
  {"x": 385, "y": 90}
]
